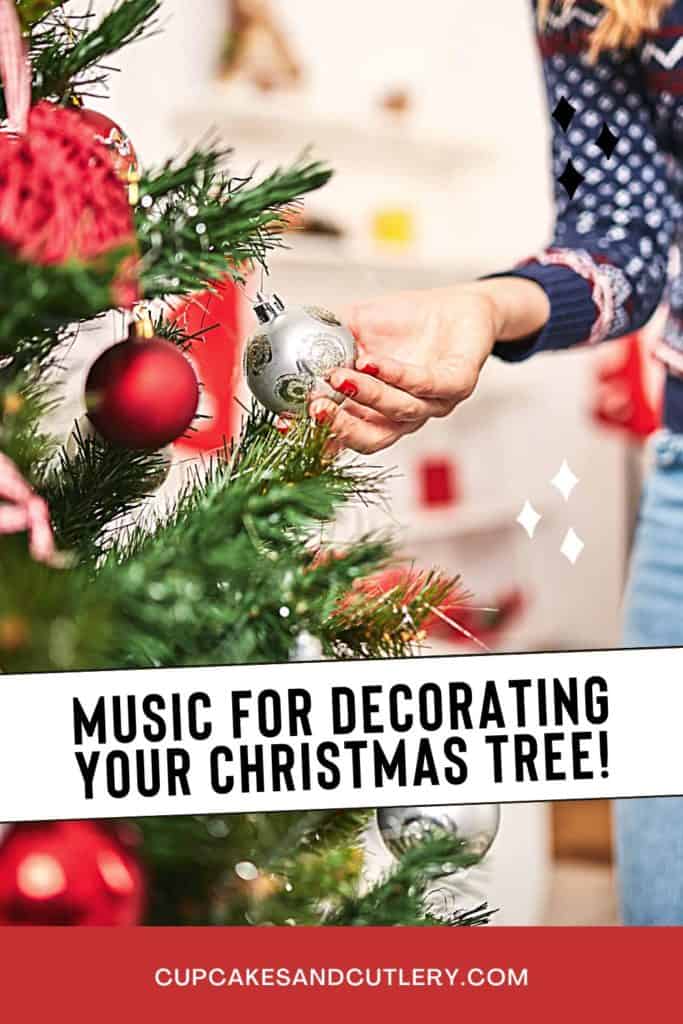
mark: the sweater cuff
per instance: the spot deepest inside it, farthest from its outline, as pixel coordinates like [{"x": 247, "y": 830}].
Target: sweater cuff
[{"x": 572, "y": 312}]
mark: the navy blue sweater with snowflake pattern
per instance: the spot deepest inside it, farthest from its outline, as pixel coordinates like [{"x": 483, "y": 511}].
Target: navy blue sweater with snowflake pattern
[{"x": 607, "y": 268}]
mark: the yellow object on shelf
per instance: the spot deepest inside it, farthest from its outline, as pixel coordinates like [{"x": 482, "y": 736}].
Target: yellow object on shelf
[{"x": 394, "y": 226}]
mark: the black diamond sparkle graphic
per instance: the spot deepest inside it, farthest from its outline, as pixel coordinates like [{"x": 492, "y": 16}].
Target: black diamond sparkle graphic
[
  {"x": 563, "y": 113},
  {"x": 607, "y": 141},
  {"x": 570, "y": 179}
]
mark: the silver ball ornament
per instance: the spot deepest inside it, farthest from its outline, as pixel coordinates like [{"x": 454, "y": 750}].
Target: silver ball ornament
[
  {"x": 292, "y": 350},
  {"x": 404, "y": 827}
]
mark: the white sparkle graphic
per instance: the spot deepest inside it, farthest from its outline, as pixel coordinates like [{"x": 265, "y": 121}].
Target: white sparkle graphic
[
  {"x": 529, "y": 518},
  {"x": 565, "y": 480},
  {"x": 572, "y": 546}
]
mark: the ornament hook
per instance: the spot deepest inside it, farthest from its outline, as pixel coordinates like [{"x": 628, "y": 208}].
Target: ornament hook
[{"x": 268, "y": 307}]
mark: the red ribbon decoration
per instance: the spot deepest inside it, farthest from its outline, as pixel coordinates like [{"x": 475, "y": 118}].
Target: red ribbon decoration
[
  {"x": 14, "y": 69},
  {"x": 20, "y": 507},
  {"x": 23, "y": 510}
]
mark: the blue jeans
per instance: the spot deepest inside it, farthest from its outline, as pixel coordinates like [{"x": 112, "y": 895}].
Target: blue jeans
[{"x": 649, "y": 832}]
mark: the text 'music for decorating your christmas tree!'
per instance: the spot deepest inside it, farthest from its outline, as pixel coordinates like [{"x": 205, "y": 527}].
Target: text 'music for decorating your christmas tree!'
[{"x": 386, "y": 733}]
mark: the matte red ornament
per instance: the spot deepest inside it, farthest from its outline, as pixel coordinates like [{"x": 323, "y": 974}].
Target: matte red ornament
[
  {"x": 68, "y": 873},
  {"x": 110, "y": 135},
  {"x": 142, "y": 394},
  {"x": 60, "y": 196}
]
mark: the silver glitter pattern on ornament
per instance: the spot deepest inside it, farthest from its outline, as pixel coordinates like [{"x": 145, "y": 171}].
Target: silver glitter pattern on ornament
[
  {"x": 476, "y": 825},
  {"x": 290, "y": 353}
]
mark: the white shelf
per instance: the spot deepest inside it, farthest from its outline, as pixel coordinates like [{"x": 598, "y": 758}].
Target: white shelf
[
  {"x": 306, "y": 255},
  {"x": 289, "y": 122}
]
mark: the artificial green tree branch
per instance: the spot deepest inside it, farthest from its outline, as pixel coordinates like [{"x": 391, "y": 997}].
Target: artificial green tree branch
[
  {"x": 32, "y": 11},
  {"x": 51, "y": 619},
  {"x": 37, "y": 302},
  {"x": 234, "y": 561},
  {"x": 196, "y": 224},
  {"x": 399, "y": 898},
  {"x": 63, "y": 52},
  {"x": 25, "y": 401},
  {"x": 96, "y": 485}
]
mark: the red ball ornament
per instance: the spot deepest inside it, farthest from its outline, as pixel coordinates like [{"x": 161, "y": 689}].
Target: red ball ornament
[
  {"x": 68, "y": 873},
  {"x": 109, "y": 134},
  {"x": 60, "y": 196},
  {"x": 142, "y": 393}
]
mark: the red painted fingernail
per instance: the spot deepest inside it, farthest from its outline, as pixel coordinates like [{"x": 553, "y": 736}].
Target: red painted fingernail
[
  {"x": 348, "y": 388},
  {"x": 370, "y": 369},
  {"x": 321, "y": 416}
]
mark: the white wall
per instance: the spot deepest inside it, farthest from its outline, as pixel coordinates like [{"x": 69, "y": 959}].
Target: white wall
[
  {"x": 161, "y": 72},
  {"x": 471, "y": 66}
]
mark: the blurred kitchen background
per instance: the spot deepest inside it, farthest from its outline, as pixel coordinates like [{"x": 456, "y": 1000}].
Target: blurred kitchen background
[{"x": 433, "y": 116}]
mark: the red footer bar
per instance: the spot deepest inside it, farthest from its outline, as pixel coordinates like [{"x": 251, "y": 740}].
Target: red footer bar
[{"x": 550, "y": 975}]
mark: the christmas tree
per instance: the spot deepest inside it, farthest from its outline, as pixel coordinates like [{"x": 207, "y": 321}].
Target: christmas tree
[{"x": 234, "y": 572}]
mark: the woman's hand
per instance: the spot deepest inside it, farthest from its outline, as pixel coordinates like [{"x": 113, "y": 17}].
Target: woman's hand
[{"x": 420, "y": 355}]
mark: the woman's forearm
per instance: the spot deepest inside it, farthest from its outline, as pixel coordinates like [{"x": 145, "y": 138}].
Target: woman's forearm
[{"x": 520, "y": 307}]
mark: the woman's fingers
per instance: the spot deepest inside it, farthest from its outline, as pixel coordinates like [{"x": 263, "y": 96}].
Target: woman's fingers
[
  {"x": 357, "y": 427},
  {"x": 324, "y": 411},
  {"x": 284, "y": 422},
  {"x": 364, "y": 436},
  {"x": 452, "y": 383},
  {"x": 399, "y": 406}
]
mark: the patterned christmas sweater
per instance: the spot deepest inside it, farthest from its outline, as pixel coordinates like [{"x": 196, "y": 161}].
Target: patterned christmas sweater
[{"x": 618, "y": 170}]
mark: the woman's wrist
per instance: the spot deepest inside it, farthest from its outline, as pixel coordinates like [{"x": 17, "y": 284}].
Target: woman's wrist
[{"x": 520, "y": 308}]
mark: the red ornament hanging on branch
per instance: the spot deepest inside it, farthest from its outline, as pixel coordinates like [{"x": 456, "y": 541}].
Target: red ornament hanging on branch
[
  {"x": 61, "y": 198},
  {"x": 68, "y": 873},
  {"x": 142, "y": 393}
]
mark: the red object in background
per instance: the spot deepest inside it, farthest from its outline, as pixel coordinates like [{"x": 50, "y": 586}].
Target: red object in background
[
  {"x": 622, "y": 399},
  {"x": 486, "y": 625},
  {"x": 68, "y": 873},
  {"x": 213, "y": 320},
  {"x": 438, "y": 482},
  {"x": 142, "y": 393}
]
